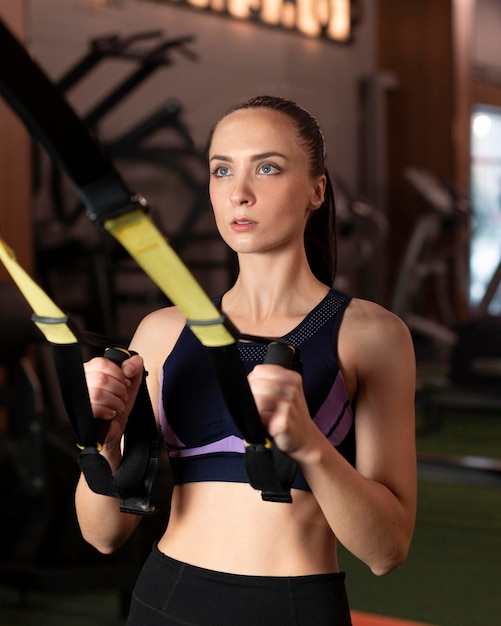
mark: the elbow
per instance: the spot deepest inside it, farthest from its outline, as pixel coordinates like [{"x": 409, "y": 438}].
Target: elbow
[
  {"x": 390, "y": 559},
  {"x": 393, "y": 548},
  {"x": 387, "y": 565},
  {"x": 106, "y": 548}
]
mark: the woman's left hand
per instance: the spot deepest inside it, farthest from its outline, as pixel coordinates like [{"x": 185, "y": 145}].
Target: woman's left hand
[{"x": 279, "y": 396}]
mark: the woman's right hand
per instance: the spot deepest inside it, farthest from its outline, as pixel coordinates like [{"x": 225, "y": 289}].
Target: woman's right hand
[{"x": 112, "y": 391}]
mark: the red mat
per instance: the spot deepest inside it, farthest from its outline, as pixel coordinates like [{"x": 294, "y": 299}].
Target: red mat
[{"x": 366, "y": 619}]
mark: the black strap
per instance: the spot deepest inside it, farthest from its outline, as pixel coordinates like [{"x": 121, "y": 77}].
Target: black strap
[
  {"x": 50, "y": 118},
  {"x": 133, "y": 481},
  {"x": 269, "y": 470}
]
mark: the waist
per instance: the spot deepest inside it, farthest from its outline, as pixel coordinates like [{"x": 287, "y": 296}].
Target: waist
[
  {"x": 265, "y": 582},
  {"x": 228, "y": 527}
]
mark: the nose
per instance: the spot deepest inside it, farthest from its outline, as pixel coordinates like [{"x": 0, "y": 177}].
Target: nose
[{"x": 242, "y": 192}]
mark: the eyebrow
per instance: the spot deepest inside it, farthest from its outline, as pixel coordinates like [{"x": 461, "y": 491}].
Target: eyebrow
[{"x": 256, "y": 157}]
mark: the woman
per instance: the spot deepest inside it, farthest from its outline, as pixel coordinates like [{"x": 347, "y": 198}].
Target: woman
[{"x": 228, "y": 557}]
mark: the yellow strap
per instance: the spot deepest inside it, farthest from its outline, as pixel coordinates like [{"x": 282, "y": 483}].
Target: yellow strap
[
  {"x": 146, "y": 244},
  {"x": 57, "y": 331}
]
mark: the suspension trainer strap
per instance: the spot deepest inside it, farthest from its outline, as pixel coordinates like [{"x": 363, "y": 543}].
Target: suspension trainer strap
[
  {"x": 110, "y": 204},
  {"x": 268, "y": 470},
  {"x": 133, "y": 481},
  {"x": 135, "y": 475}
]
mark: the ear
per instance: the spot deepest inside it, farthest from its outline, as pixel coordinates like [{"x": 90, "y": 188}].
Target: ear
[{"x": 318, "y": 193}]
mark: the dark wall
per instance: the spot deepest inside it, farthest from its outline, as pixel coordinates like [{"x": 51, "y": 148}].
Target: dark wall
[{"x": 415, "y": 44}]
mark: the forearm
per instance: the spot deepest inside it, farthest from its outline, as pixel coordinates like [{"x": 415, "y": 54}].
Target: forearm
[
  {"x": 369, "y": 519},
  {"x": 101, "y": 522}
]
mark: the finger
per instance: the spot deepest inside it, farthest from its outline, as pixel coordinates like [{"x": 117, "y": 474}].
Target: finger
[
  {"x": 276, "y": 373},
  {"x": 107, "y": 389},
  {"x": 270, "y": 397},
  {"x": 104, "y": 368},
  {"x": 133, "y": 370},
  {"x": 100, "y": 382},
  {"x": 279, "y": 385},
  {"x": 133, "y": 366},
  {"x": 105, "y": 404}
]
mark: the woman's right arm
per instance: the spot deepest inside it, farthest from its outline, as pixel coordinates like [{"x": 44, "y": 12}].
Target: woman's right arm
[{"x": 112, "y": 391}]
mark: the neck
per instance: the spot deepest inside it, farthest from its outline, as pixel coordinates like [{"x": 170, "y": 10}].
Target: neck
[{"x": 270, "y": 287}]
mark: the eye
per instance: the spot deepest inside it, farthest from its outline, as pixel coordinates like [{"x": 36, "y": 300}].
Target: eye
[
  {"x": 221, "y": 171},
  {"x": 268, "y": 168}
]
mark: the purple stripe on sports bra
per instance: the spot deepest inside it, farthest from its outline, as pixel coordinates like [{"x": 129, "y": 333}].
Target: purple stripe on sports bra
[
  {"x": 228, "y": 444},
  {"x": 335, "y": 416}
]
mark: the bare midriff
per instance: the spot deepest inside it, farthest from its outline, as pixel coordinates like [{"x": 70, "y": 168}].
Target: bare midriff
[{"x": 229, "y": 528}]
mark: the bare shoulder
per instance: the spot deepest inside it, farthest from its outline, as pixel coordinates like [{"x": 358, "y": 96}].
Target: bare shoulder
[
  {"x": 370, "y": 320},
  {"x": 371, "y": 336},
  {"x": 156, "y": 335}
]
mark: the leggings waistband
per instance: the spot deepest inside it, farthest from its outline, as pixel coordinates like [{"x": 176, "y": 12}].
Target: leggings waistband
[
  {"x": 172, "y": 592},
  {"x": 174, "y": 565}
]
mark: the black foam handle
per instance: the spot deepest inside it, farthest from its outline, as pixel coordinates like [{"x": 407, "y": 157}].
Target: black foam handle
[
  {"x": 279, "y": 353},
  {"x": 118, "y": 355}
]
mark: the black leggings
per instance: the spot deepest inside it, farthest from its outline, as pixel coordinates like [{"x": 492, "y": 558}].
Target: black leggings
[{"x": 169, "y": 592}]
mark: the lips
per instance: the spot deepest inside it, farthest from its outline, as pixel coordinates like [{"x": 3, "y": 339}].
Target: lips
[{"x": 242, "y": 224}]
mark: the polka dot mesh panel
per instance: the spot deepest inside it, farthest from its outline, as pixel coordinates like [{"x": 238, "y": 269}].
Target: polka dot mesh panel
[{"x": 321, "y": 314}]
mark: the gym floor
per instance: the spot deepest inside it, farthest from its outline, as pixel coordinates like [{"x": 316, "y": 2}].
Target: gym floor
[{"x": 451, "y": 577}]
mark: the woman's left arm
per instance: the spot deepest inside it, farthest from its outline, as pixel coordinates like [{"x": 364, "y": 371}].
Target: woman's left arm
[{"x": 371, "y": 509}]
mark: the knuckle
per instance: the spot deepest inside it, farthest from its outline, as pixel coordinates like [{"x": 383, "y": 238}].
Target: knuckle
[{"x": 100, "y": 379}]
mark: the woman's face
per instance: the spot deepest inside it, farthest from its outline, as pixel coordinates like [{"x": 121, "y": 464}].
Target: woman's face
[{"x": 260, "y": 184}]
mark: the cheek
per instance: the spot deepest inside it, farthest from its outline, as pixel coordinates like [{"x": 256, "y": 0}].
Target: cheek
[
  {"x": 215, "y": 200},
  {"x": 218, "y": 214},
  {"x": 297, "y": 203},
  {"x": 218, "y": 219}
]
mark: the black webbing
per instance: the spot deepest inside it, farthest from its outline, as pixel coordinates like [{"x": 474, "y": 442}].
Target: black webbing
[
  {"x": 133, "y": 481},
  {"x": 269, "y": 470},
  {"x": 68, "y": 362},
  {"x": 232, "y": 379},
  {"x": 24, "y": 85}
]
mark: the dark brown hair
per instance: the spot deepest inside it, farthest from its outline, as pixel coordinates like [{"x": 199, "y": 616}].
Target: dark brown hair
[{"x": 319, "y": 236}]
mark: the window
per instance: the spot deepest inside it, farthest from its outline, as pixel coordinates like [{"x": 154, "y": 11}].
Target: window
[{"x": 485, "y": 251}]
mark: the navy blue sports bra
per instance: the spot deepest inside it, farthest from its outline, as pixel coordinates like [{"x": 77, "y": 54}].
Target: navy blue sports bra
[{"x": 203, "y": 442}]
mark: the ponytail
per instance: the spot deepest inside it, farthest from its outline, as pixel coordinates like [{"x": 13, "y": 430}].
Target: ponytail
[{"x": 320, "y": 238}]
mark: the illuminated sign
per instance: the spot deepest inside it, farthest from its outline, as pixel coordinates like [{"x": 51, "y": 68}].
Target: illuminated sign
[{"x": 327, "y": 19}]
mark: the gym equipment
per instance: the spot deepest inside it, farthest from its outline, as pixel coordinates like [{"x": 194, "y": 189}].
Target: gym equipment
[{"x": 459, "y": 363}]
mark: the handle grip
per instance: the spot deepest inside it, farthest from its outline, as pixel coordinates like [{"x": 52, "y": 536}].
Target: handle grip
[
  {"x": 118, "y": 355},
  {"x": 279, "y": 353}
]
